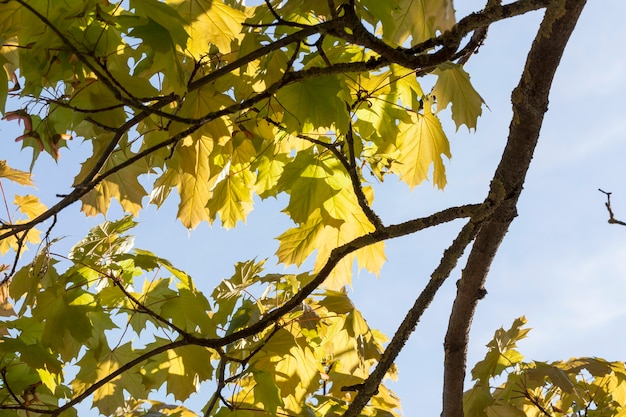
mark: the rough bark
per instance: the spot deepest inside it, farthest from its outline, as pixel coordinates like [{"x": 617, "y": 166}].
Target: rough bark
[{"x": 530, "y": 103}]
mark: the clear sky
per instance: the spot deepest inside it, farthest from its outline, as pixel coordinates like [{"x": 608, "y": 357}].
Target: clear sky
[{"x": 561, "y": 265}]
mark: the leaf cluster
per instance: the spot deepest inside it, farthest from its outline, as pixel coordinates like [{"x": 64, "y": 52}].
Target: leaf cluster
[
  {"x": 223, "y": 105},
  {"x": 94, "y": 316},
  {"x": 579, "y": 386}
]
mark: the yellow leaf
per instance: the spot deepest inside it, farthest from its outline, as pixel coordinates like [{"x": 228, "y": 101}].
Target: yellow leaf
[
  {"x": 163, "y": 185},
  {"x": 20, "y": 177},
  {"x": 6, "y": 308},
  {"x": 504, "y": 410},
  {"x": 232, "y": 199},
  {"x": 405, "y": 85},
  {"x": 372, "y": 257},
  {"x": 454, "y": 86},
  {"x": 421, "y": 144},
  {"x": 29, "y": 205},
  {"x": 122, "y": 185},
  {"x": 194, "y": 187},
  {"x": 298, "y": 243},
  {"x": 109, "y": 396},
  {"x": 210, "y": 22},
  {"x": 49, "y": 379}
]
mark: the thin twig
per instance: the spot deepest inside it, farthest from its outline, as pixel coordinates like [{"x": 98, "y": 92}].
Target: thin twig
[
  {"x": 612, "y": 218},
  {"x": 357, "y": 187},
  {"x": 140, "y": 307}
]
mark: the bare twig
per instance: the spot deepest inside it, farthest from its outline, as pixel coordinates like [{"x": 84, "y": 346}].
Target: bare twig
[
  {"x": 477, "y": 39},
  {"x": 612, "y": 218},
  {"x": 221, "y": 384}
]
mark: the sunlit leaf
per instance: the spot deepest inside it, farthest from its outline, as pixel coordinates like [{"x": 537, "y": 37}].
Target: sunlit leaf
[
  {"x": 21, "y": 177},
  {"x": 453, "y": 86},
  {"x": 209, "y": 22},
  {"x": 422, "y": 143}
]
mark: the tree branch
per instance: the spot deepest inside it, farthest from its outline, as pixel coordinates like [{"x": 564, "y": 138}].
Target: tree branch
[
  {"x": 356, "y": 182},
  {"x": 388, "y": 232},
  {"x": 612, "y": 218},
  {"x": 448, "y": 262},
  {"x": 96, "y": 385},
  {"x": 337, "y": 254},
  {"x": 530, "y": 103},
  {"x": 336, "y": 27}
]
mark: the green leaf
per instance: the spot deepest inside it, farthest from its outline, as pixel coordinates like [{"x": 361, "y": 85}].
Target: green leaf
[
  {"x": 164, "y": 15},
  {"x": 501, "y": 353},
  {"x": 67, "y": 326},
  {"x": 266, "y": 392},
  {"x": 476, "y": 400},
  {"x": 4, "y": 84},
  {"x": 160, "y": 55},
  {"x": 190, "y": 311},
  {"x": 34, "y": 355},
  {"x": 93, "y": 368},
  {"x": 418, "y": 19},
  {"x": 106, "y": 239},
  {"x": 309, "y": 179},
  {"x": 269, "y": 170},
  {"x": 315, "y": 103},
  {"x": 28, "y": 280}
]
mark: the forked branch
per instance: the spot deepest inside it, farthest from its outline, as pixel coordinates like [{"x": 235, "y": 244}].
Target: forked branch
[
  {"x": 612, "y": 218},
  {"x": 530, "y": 103}
]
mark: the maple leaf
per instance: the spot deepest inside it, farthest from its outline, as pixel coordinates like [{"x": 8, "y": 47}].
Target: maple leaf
[
  {"x": 189, "y": 311},
  {"x": 298, "y": 243},
  {"x": 268, "y": 171},
  {"x": 193, "y": 181},
  {"x": 232, "y": 199},
  {"x": 94, "y": 367},
  {"x": 421, "y": 144},
  {"x": 209, "y": 22},
  {"x": 266, "y": 392},
  {"x": 419, "y": 19},
  {"x": 319, "y": 101},
  {"x": 67, "y": 324},
  {"x": 453, "y": 86},
  {"x": 29, "y": 205},
  {"x": 122, "y": 185},
  {"x": 313, "y": 183},
  {"x": 160, "y": 55},
  {"x": 15, "y": 175},
  {"x": 501, "y": 352},
  {"x": 164, "y": 15},
  {"x": 182, "y": 367}
]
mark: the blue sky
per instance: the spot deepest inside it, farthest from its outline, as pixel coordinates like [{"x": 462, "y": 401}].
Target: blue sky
[{"x": 561, "y": 265}]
